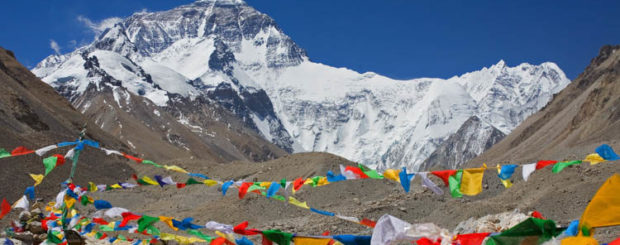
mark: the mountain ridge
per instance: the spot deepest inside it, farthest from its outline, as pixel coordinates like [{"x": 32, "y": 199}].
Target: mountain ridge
[{"x": 238, "y": 57}]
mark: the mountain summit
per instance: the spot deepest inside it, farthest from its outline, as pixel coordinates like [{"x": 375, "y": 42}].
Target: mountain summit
[{"x": 229, "y": 55}]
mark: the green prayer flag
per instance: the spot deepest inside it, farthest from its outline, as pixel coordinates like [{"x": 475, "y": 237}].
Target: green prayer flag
[
  {"x": 279, "y": 237},
  {"x": 84, "y": 200},
  {"x": 561, "y": 165},
  {"x": 200, "y": 234},
  {"x": 370, "y": 172},
  {"x": 315, "y": 180},
  {"x": 105, "y": 228},
  {"x": 151, "y": 163},
  {"x": 123, "y": 238},
  {"x": 98, "y": 235},
  {"x": 192, "y": 181},
  {"x": 4, "y": 153},
  {"x": 50, "y": 164},
  {"x": 255, "y": 187},
  {"x": 279, "y": 197},
  {"x": 146, "y": 221},
  {"x": 455, "y": 184},
  {"x": 283, "y": 183},
  {"x": 153, "y": 230},
  {"x": 530, "y": 231},
  {"x": 53, "y": 237}
]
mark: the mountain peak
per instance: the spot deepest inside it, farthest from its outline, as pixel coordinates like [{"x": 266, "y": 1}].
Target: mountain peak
[{"x": 222, "y": 2}]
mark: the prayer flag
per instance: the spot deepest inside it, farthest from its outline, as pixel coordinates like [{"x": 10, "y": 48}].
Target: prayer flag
[
  {"x": 444, "y": 175},
  {"x": 543, "y": 163},
  {"x": 561, "y": 165},
  {"x": 607, "y": 153},
  {"x": 471, "y": 183},
  {"x": 604, "y": 208},
  {"x": 594, "y": 158}
]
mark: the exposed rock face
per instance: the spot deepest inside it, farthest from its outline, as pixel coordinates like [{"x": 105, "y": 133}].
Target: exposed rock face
[
  {"x": 473, "y": 138},
  {"x": 578, "y": 119}
]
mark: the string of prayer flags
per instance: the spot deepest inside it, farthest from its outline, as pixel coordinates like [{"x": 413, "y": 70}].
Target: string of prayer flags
[
  {"x": 607, "y": 153},
  {"x": 558, "y": 167},
  {"x": 594, "y": 159},
  {"x": 52, "y": 162},
  {"x": 604, "y": 208},
  {"x": 543, "y": 163}
]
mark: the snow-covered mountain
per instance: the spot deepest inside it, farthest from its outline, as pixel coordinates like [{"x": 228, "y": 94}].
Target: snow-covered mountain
[{"x": 226, "y": 52}]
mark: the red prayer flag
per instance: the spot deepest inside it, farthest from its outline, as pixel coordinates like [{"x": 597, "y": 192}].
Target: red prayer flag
[
  {"x": 218, "y": 241},
  {"x": 135, "y": 177},
  {"x": 444, "y": 175},
  {"x": 299, "y": 182},
  {"x": 100, "y": 221},
  {"x": 44, "y": 224},
  {"x": 266, "y": 241},
  {"x": 325, "y": 233},
  {"x": 426, "y": 241},
  {"x": 471, "y": 239},
  {"x": 543, "y": 163},
  {"x": 128, "y": 216},
  {"x": 60, "y": 160},
  {"x": 356, "y": 171},
  {"x": 368, "y": 222},
  {"x": 537, "y": 215},
  {"x": 5, "y": 208},
  {"x": 21, "y": 150},
  {"x": 243, "y": 189},
  {"x": 242, "y": 229},
  {"x": 181, "y": 185},
  {"x": 63, "y": 243},
  {"x": 138, "y": 160},
  {"x": 615, "y": 242}
]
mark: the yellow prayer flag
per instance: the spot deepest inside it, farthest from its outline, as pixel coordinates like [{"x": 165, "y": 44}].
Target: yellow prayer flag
[
  {"x": 297, "y": 203},
  {"x": 322, "y": 181},
  {"x": 147, "y": 180},
  {"x": 210, "y": 182},
  {"x": 471, "y": 182},
  {"x": 175, "y": 168},
  {"x": 604, "y": 209},
  {"x": 69, "y": 201},
  {"x": 579, "y": 240},
  {"x": 265, "y": 184},
  {"x": 92, "y": 187},
  {"x": 311, "y": 241},
  {"x": 38, "y": 178},
  {"x": 507, "y": 182},
  {"x": 594, "y": 158},
  {"x": 168, "y": 221},
  {"x": 392, "y": 174},
  {"x": 116, "y": 186},
  {"x": 308, "y": 181}
]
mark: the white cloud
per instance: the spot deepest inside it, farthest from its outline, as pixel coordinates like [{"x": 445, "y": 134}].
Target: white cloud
[
  {"x": 54, "y": 46},
  {"x": 99, "y": 27}
]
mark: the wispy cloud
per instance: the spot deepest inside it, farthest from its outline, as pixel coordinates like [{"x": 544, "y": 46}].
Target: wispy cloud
[
  {"x": 54, "y": 46},
  {"x": 99, "y": 27}
]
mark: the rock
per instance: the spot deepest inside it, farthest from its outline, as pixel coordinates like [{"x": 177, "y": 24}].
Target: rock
[
  {"x": 357, "y": 201},
  {"x": 26, "y": 237},
  {"x": 24, "y": 216},
  {"x": 35, "y": 227}
]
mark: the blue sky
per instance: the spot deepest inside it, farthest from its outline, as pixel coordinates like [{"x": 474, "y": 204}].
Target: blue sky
[{"x": 397, "y": 38}]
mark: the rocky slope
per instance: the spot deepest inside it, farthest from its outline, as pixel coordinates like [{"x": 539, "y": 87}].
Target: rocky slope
[
  {"x": 582, "y": 116},
  {"x": 227, "y": 53},
  {"x": 33, "y": 115}
]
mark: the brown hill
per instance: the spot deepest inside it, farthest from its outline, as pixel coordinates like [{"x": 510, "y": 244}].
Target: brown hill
[
  {"x": 584, "y": 115},
  {"x": 33, "y": 115}
]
